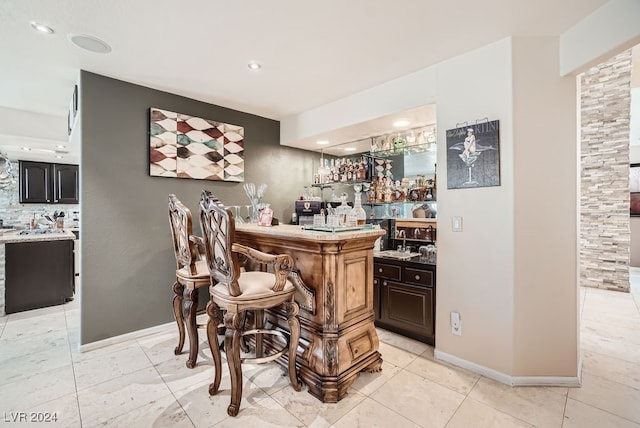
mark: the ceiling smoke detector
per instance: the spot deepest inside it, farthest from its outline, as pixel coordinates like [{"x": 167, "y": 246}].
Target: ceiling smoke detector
[{"x": 89, "y": 43}]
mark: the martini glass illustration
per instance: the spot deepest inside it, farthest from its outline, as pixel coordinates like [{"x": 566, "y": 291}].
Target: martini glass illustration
[{"x": 469, "y": 160}]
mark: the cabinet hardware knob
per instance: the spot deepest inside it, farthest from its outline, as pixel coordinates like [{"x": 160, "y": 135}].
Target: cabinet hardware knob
[
  {"x": 417, "y": 277},
  {"x": 380, "y": 270}
]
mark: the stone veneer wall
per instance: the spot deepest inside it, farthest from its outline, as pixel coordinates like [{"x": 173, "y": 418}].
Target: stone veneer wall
[{"x": 604, "y": 195}]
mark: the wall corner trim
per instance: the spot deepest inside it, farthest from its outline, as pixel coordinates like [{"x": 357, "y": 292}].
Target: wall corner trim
[{"x": 562, "y": 381}]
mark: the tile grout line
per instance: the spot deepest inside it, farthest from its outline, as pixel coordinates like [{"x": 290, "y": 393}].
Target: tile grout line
[
  {"x": 73, "y": 367},
  {"x": 603, "y": 410},
  {"x": 165, "y": 383}
]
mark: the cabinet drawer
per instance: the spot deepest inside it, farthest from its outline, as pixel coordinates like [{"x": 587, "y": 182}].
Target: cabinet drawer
[
  {"x": 386, "y": 271},
  {"x": 418, "y": 277}
]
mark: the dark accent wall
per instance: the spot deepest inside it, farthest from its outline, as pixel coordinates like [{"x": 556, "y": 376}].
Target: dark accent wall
[{"x": 128, "y": 266}]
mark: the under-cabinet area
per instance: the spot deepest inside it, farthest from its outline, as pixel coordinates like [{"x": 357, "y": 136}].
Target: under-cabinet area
[{"x": 405, "y": 297}]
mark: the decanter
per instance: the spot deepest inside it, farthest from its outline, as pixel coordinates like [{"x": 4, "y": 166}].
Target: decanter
[{"x": 357, "y": 212}]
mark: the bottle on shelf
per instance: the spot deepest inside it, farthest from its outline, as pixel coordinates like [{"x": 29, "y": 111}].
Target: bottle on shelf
[
  {"x": 343, "y": 210},
  {"x": 358, "y": 214}
]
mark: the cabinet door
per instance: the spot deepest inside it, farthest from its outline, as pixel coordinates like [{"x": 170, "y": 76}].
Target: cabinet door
[
  {"x": 408, "y": 309},
  {"x": 376, "y": 297},
  {"x": 35, "y": 182},
  {"x": 66, "y": 184}
]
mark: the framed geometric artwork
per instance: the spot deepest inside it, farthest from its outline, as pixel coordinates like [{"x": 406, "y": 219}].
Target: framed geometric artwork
[
  {"x": 473, "y": 156},
  {"x": 183, "y": 146}
]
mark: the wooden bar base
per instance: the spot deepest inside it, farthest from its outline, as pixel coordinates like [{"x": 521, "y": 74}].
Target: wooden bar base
[{"x": 335, "y": 294}]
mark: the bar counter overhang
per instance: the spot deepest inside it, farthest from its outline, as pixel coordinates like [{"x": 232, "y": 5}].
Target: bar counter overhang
[{"x": 335, "y": 294}]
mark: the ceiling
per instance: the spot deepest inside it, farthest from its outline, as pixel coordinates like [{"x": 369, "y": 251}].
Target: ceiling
[{"x": 312, "y": 53}]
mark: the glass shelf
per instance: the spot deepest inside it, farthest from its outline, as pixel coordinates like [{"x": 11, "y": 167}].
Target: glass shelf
[
  {"x": 374, "y": 204},
  {"x": 404, "y": 150},
  {"x": 333, "y": 183}
]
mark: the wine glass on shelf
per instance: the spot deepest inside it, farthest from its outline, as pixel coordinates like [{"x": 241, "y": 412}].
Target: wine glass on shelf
[{"x": 248, "y": 218}]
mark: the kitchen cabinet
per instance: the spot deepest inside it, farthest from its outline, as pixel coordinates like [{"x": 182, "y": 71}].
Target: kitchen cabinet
[
  {"x": 405, "y": 298},
  {"x": 47, "y": 183},
  {"x": 66, "y": 184},
  {"x": 38, "y": 274}
]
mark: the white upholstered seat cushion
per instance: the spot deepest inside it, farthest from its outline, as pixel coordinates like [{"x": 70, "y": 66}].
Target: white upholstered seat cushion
[
  {"x": 254, "y": 285},
  {"x": 202, "y": 270}
]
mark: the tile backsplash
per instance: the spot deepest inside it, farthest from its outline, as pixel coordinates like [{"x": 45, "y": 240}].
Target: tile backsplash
[{"x": 19, "y": 215}]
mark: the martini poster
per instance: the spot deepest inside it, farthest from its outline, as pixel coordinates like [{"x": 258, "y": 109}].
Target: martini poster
[{"x": 473, "y": 156}]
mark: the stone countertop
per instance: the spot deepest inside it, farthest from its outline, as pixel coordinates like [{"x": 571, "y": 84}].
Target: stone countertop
[
  {"x": 13, "y": 236},
  {"x": 289, "y": 230},
  {"x": 415, "y": 261}
]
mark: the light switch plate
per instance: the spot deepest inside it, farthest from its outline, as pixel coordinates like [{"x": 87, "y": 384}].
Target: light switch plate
[{"x": 456, "y": 223}]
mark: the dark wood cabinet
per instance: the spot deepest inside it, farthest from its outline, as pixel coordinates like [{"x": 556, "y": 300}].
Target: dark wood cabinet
[
  {"x": 47, "y": 183},
  {"x": 66, "y": 184},
  {"x": 35, "y": 182},
  {"x": 404, "y": 294},
  {"x": 38, "y": 274}
]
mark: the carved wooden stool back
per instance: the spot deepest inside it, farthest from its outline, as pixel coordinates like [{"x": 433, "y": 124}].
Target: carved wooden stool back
[
  {"x": 192, "y": 273},
  {"x": 236, "y": 292}
]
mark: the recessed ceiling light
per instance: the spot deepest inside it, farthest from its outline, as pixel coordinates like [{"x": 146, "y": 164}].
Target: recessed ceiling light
[
  {"x": 26, "y": 149},
  {"x": 254, "y": 65},
  {"x": 349, "y": 149},
  {"x": 322, "y": 142},
  {"x": 60, "y": 146},
  {"x": 400, "y": 123},
  {"x": 89, "y": 43},
  {"x": 41, "y": 27},
  {"x": 58, "y": 157}
]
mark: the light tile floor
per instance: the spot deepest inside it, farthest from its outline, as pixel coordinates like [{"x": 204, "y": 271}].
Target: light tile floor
[{"x": 140, "y": 383}]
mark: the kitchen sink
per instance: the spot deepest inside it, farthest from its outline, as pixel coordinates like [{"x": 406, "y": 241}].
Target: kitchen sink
[{"x": 394, "y": 254}]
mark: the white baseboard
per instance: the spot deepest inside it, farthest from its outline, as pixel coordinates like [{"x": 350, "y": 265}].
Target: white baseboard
[
  {"x": 127, "y": 336},
  {"x": 563, "y": 381}
]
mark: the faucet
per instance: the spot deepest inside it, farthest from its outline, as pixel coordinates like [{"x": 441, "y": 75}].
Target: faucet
[
  {"x": 403, "y": 234},
  {"x": 416, "y": 233}
]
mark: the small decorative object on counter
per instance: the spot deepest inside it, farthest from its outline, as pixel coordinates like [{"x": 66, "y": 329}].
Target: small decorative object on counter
[
  {"x": 255, "y": 197},
  {"x": 265, "y": 217}
]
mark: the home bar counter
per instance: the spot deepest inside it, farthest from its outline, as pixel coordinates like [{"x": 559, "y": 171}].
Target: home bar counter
[{"x": 334, "y": 284}]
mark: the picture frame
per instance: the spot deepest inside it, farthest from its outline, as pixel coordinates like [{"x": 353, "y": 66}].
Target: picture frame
[
  {"x": 473, "y": 155},
  {"x": 75, "y": 101},
  {"x": 634, "y": 190}
]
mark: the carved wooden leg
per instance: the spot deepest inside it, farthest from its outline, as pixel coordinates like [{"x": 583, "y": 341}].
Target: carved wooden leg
[
  {"x": 190, "y": 307},
  {"x": 177, "y": 313},
  {"x": 375, "y": 366},
  {"x": 294, "y": 329},
  {"x": 259, "y": 323},
  {"x": 244, "y": 347},
  {"x": 215, "y": 318},
  {"x": 232, "y": 322}
]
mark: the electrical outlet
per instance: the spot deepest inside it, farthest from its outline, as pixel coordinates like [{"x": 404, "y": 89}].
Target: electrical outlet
[{"x": 456, "y": 324}]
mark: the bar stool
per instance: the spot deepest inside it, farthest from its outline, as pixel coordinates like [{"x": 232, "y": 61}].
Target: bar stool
[
  {"x": 237, "y": 292},
  {"x": 192, "y": 273}
]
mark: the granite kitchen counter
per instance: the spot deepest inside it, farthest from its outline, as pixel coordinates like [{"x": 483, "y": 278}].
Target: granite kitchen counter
[{"x": 35, "y": 235}]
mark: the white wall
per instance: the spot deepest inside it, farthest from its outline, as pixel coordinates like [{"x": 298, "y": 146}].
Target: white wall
[
  {"x": 545, "y": 212},
  {"x": 475, "y": 266}
]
